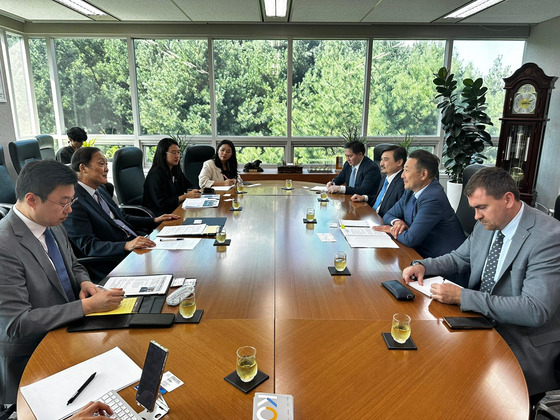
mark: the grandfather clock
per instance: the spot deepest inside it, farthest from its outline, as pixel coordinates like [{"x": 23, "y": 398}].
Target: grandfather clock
[{"x": 524, "y": 120}]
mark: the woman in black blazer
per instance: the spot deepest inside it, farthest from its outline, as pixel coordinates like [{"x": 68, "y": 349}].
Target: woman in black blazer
[{"x": 166, "y": 186}]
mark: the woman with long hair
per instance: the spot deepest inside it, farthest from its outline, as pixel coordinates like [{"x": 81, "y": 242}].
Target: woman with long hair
[
  {"x": 166, "y": 186},
  {"x": 222, "y": 168}
]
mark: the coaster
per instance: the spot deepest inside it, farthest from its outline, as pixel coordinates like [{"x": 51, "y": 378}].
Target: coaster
[
  {"x": 233, "y": 378},
  {"x": 287, "y": 189},
  {"x": 393, "y": 345},
  {"x": 195, "y": 319},
  {"x": 333, "y": 272},
  {"x": 226, "y": 243},
  {"x": 323, "y": 201},
  {"x": 241, "y": 192},
  {"x": 307, "y": 221},
  {"x": 239, "y": 209}
]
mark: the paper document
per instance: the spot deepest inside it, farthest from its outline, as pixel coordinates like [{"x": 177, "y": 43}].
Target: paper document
[
  {"x": 183, "y": 230},
  {"x": 361, "y": 231},
  {"x": 140, "y": 285},
  {"x": 326, "y": 237},
  {"x": 318, "y": 188},
  {"x": 252, "y": 185},
  {"x": 198, "y": 203},
  {"x": 354, "y": 223},
  {"x": 176, "y": 243},
  {"x": 223, "y": 187},
  {"x": 181, "y": 281},
  {"x": 280, "y": 404},
  {"x": 127, "y": 306},
  {"x": 210, "y": 196},
  {"x": 48, "y": 397},
  {"x": 428, "y": 284},
  {"x": 371, "y": 241}
]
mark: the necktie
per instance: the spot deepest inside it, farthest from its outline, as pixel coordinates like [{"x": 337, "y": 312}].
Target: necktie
[
  {"x": 119, "y": 222},
  {"x": 491, "y": 264},
  {"x": 410, "y": 210},
  {"x": 352, "y": 177},
  {"x": 56, "y": 258},
  {"x": 381, "y": 195}
]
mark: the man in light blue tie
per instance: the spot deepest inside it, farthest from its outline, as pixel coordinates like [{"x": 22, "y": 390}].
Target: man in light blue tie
[
  {"x": 513, "y": 255},
  {"x": 42, "y": 286},
  {"x": 360, "y": 175},
  {"x": 391, "y": 187}
]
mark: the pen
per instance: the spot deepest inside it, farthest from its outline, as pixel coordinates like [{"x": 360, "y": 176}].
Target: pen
[
  {"x": 79, "y": 391},
  {"x": 101, "y": 287},
  {"x": 170, "y": 239}
]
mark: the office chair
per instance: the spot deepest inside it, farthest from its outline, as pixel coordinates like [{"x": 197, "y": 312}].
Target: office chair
[
  {"x": 46, "y": 146},
  {"x": 128, "y": 176},
  {"x": 97, "y": 267},
  {"x": 465, "y": 213},
  {"x": 557, "y": 208},
  {"x": 24, "y": 151},
  {"x": 193, "y": 159},
  {"x": 378, "y": 151},
  {"x": 7, "y": 187}
]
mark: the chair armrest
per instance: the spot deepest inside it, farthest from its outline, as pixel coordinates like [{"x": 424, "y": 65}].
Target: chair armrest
[
  {"x": 5, "y": 208},
  {"x": 136, "y": 210},
  {"x": 543, "y": 208}
]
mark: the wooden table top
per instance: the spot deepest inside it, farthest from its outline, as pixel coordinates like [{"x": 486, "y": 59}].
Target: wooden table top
[{"x": 273, "y": 279}]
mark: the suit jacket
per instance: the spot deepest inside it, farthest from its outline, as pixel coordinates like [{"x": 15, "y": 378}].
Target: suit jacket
[
  {"x": 64, "y": 154},
  {"x": 94, "y": 232},
  {"x": 367, "y": 178},
  {"x": 434, "y": 229},
  {"x": 32, "y": 300},
  {"x": 210, "y": 173},
  {"x": 162, "y": 190},
  {"x": 394, "y": 192},
  {"x": 525, "y": 300}
]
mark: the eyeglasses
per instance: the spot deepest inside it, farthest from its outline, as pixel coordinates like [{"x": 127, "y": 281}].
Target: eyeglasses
[
  {"x": 64, "y": 206},
  {"x": 174, "y": 153}
]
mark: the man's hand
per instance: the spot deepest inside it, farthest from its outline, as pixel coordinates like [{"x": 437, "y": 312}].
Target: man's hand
[
  {"x": 446, "y": 293},
  {"x": 358, "y": 197},
  {"x": 383, "y": 228},
  {"x": 166, "y": 217},
  {"x": 102, "y": 301},
  {"x": 93, "y": 411},
  {"x": 329, "y": 184},
  {"x": 139, "y": 243},
  {"x": 88, "y": 289},
  {"x": 414, "y": 273},
  {"x": 333, "y": 189},
  {"x": 193, "y": 194}
]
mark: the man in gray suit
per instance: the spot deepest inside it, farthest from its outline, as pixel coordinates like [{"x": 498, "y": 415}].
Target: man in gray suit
[
  {"x": 514, "y": 258},
  {"x": 42, "y": 287}
]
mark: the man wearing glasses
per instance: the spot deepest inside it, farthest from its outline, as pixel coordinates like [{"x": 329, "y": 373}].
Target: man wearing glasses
[{"x": 42, "y": 286}]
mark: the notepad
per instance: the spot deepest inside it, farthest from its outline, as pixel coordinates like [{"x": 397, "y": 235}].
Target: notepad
[{"x": 128, "y": 306}]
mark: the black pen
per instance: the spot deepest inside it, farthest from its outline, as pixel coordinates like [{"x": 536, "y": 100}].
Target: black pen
[{"x": 79, "y": 391}]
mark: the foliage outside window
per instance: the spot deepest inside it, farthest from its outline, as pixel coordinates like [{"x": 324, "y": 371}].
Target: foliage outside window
[
  {"x": 95, "y": 85},
  {"x": 250, "y": 79},
  {"x": 42, "y": 82},
  {"x": 266, "y": 154},
  {"x": 173, "y": 86},
  {"x": 19, "y": 83},
  {"x": 328, "y": 86},
  {"x": 315, "y": 155}
]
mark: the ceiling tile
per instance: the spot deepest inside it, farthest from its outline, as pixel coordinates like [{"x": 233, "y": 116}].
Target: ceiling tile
[
  {"x": 518, "y": 11},
  {"x": 141, "y": 10},
  {"x": 40, "y": 10},
  {"x": 221, "y": 10}
]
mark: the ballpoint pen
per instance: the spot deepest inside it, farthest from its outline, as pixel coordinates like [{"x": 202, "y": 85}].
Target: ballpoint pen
[{"x": 79, "y": 391}]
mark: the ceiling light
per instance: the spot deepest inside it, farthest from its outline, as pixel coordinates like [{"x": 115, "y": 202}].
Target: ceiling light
[
  {"x": 275, "y": 8},
  {"x": 82, "y": 7},
  {"x": 472, "y": 8}
]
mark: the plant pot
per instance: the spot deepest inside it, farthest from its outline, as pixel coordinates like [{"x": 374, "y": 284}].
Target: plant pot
[{"x": 454, "y": 191}]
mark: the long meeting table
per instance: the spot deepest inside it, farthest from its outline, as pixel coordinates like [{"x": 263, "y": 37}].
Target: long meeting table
[{"x": 317, "y": 336}]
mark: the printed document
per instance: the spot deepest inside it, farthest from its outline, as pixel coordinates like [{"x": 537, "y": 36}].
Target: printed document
[
  {"x": 428, "y": 284},
  {"x": 176, "y": 243},
  {"x": 198, "y": 203},
  {"x": 183, "y": 230},
  {"x": 140, "y": 285},
  {"x": 366, "y": 237}
]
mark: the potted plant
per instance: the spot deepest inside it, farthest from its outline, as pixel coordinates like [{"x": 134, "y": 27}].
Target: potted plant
[{"x": 464, "y": 122}]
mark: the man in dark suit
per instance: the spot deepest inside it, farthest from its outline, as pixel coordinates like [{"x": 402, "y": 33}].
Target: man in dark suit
[
  {"x": 514, "y": 258},
  {"x": 360, "y": 175},
  {"x": 42, "y": 286},
  {"x": 96, "y": 225},
  {"x": 423, "y": 218},
  {"x": 391, "y": 187}
]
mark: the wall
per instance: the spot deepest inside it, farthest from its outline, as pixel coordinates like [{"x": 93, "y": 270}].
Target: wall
[
  {"x": 7, "y": 132},
  {"x": 542, "y": 48}
]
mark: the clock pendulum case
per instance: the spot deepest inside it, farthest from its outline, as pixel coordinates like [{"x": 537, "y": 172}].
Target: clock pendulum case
[{"x": 524, "y": 120}]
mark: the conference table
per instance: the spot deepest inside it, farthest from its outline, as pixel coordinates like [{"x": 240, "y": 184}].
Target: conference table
[{"x": 317, "y": 336}]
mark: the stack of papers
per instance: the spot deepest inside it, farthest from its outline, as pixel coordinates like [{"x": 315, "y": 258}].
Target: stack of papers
[
  {"x": 222, "y": 187},
  {"x": 198, "y": 203},
  {"x": 366, "y": 237},
  {"x": 425, "y": 288},
  {"x": 273, "y": 406},
  {"x": 183, "y": 230},
  {"x": 140, "y": 285},
  {"x": 176, "y": 243}
]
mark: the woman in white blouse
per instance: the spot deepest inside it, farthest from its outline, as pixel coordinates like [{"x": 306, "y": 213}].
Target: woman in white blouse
[{"x": 221, "y": 169}]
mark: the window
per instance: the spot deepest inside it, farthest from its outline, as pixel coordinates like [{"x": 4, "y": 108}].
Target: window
[
  {"x": 42, "y": 82},
  {"x": 95, "y": 85},
  {"x": 16, "y": 53},
  {"x": 402, "y": 93},
  {"x": 324, "y": 156},
  {"x": 251, "y": 87},
  {"x": 173, "y": 86},
  {"x": 328, "y": 86},
  {"x": 266, "y": 154}
]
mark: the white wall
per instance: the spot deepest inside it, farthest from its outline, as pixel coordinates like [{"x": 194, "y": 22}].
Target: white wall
[{"x": 542, "y": 48}]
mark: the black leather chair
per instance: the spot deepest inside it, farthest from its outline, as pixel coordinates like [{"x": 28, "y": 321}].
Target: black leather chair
[
  {"x": 193, "y": 159},
  {"x": 465, "y": 213},
  {"x": 378, "y": 151},
  {"x": 128, "y": 177},
  {"x": 557, "y": 217},
  {"x": 24, "y": 151},
  {"x": 46, "y": 146},
  {"x": 7, "y": 187}
]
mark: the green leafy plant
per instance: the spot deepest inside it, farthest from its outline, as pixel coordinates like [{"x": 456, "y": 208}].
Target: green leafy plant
[
  {"x": 464, "y": 122},
  {"x": 182, "y": 141},
  {"x": 353, "y": 133},
  {"x": 407, "y": 141},
  {"x": 89, "y": 142}
]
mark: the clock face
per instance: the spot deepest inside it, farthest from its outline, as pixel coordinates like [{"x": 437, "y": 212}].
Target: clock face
[{"x": 525, "y": 100}]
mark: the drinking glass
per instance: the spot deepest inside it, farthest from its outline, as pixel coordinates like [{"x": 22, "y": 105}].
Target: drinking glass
[
  {"x": 323, "y": 195},
  {"x": 221, "y": 235},
  {"x": 187, "y": 306},
  {"x": 246, "y": 363},
  {"x": 236, "y": 204},
  {"x": 400, "y": 329},
  {"x": 239, "y": 187},
  {"x": 289, "y": 184},
  {"x": 310, "y": 214},
  {"x": 339, "y": 261}
]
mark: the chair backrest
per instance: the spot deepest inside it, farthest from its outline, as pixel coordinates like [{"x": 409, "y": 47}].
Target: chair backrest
[
  {"x": 7, "y": 187},
  {"x": 465, "y": 213},
  {"x": 193, "y": 159},
  {"x": 46, "y": 146},
  {"x": 557, "y": 208},
  {"x": 378, "y": 151},
  {"x": 128, "y": 175},
  {"x": 24, "y": 151}
]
